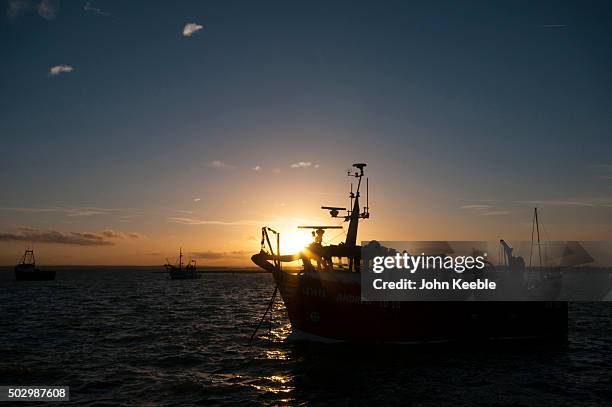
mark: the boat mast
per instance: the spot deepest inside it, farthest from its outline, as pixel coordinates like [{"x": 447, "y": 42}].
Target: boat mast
[
  {"x": 535, "y": 227},
  {"x": 538, "y": 231},
  {"x": 355, "y": 214},
  {"x": 180, "y": 258},
  {"x": 28, "y": 257}
]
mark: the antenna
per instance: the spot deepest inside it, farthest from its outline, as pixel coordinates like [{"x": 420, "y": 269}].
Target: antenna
[
  {"x": 351, "y": 195},
  {"x": 367, "y": 208},
  {"x": 319, "y": 227},
  {"x": 333, "y": 210}
]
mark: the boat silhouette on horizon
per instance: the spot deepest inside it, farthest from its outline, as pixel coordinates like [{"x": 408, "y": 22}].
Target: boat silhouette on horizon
[
  {"x": 27, "y": 270},
  {"x": 182, "y": 271}
]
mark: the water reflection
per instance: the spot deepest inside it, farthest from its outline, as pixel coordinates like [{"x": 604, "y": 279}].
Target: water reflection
[
  {"x": 125, "y": 335},
  {"x": 523, "y": 372}
]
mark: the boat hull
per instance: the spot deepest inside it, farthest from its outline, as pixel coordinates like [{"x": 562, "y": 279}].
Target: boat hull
[
  {"x": 182, "y": 275},
  {"x": 328, "y": 307},
  {"x": 36, "y": 275}
]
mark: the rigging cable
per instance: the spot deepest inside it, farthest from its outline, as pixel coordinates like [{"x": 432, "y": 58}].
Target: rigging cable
[{"x": 263, "y": 317}]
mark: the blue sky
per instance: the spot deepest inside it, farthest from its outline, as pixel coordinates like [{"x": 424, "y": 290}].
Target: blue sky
[{"x": 469, "y": 114}]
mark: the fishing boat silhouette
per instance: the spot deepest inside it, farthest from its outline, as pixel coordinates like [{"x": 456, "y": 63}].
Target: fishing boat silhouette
[
  {"x": 182, "y": 271},
  {"x": 27, "y": 270},
  {"x": 323, "y": 298}
]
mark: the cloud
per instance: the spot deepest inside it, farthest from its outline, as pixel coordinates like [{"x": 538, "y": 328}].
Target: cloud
[
  {"x": 85, "y": 212},
  {"x": 15, "y": 7},
  {"x": 257, "y": 168},
  {"x": 59, "y": 69},
  {"x": 111, "y": 234},
  {"x": 210, "y": 255},
  {"x": 47, "y": 9},
  {"x": 190, "y": 29},
  {"x": 220, "y": 165},
  {"x": 586, "y": 202},
  {"x": 67, "y": 211},
  {"x": 496, "y": 213},
  {"x": 54, "y": 236},
  {"x": 196, "y": 199},
  {"x": 91, "y": 9},
  {"x": 102, "y": 238},
  {"x": 603, "y": 171},
  {"x": 304, "y": 164},
  {"x": 192, "y": 221},
  {"x": 476, "y": 207}
]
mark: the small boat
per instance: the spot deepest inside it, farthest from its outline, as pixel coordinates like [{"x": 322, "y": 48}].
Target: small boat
[
  {"x": 182, "y": 272},
  {"x": 27, "y": 271}
]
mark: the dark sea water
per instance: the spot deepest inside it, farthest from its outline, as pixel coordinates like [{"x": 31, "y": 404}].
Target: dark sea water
[{"x": 129, "y": 336}]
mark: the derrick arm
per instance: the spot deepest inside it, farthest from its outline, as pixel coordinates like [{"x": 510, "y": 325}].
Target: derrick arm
[{"x": 507, "y": 248}]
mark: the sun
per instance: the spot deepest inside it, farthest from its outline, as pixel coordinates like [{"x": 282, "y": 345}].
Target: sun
[{"x": 294, "y": 241}]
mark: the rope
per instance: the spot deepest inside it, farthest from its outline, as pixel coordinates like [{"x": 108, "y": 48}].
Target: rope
[{"x": 263, "y": 317}]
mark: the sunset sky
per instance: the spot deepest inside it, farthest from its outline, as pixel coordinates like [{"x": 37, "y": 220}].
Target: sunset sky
[{"x": 129, "y": 129}]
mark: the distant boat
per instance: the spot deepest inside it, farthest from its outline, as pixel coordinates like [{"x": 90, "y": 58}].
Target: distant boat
[
  {"x": 27, "y": 271},
  {"x": 182, "y": 272}
]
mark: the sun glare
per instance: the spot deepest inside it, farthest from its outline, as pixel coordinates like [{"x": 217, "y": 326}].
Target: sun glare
[{"x": 293, "y": 241}]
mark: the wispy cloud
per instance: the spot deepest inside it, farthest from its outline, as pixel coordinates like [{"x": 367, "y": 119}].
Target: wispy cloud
[
  {"x": 195, "y": 221},
  {"x": 66, "y": 211},
  {"x": 15, "y": 7},
  {"x": 176, "y": 210},
  {"x": 210, "y": 255},
  {"x": 196, "y": 199},
  {"x": 90, "y": 8},
  {"x": 102, "y": 238},
  {"x": 602, "y": 171},
  {"x": 484, "y": 210},
  {"x": 191, "y": 28},
  {"x": 54, "y": 236},
  {"x": 60, "y": 69},
  {"x": 476, "y": 207},
  {"x": 257, "y": 168},
  {"x": 112, "y": 234},
  {"x": 47, "y": 9},
  {"x": 220, "y": 165},
  {"x": 304, "y": 164},
  {"x": 496, "y": 213},
  {"x": 586, "y": 202}
]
